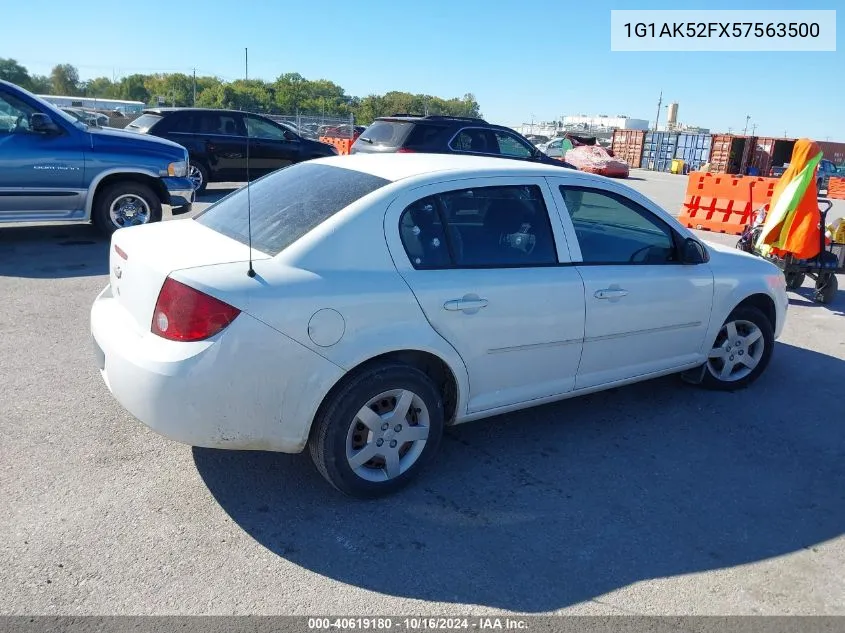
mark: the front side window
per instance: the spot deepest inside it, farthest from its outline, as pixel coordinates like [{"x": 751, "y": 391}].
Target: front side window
[
  {"x": 511, "y": 146},
  {"x": 485, "y": 227},
  {"x": 14, "y": 115},
  {"x": 612, "y": 229}
]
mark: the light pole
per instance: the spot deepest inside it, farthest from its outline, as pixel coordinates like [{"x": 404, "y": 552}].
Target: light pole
[{"x": 747, "y": 119}]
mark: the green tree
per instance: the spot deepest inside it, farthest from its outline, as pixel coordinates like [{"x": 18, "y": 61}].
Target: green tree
[
  {"x": 65, "y": 80},
  {"x": 12, "y": 71},
  {"x": 40, "y": 84},
  {"x": 101, "y": 87},
  {"x": 132, "y": 88}
]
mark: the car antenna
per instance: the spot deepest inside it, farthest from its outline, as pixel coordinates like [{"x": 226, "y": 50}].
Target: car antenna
[{"x": 250, "y": 271}]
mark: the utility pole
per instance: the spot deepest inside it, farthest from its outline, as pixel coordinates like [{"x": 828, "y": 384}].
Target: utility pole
[
  {"x": 747, "y": 119},
  {"x": 754, "y": 130},
  {"x": 659, "y": 103},
  {"x": 195, "y": 86}
]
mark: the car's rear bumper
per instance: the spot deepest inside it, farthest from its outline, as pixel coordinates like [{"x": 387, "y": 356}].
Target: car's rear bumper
[
  {"x": 181, "y": 194},
  {"x": 248, "y": 388}
]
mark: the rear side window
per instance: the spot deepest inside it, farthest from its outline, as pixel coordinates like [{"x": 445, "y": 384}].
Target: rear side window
[
  {"x": 423, "y": 135},
  {"x": 386, "y": 133},
  {"x": 144, "y": 122},
  {"x": 487, "y": 227},
  {"x": 287, "y": 204}
]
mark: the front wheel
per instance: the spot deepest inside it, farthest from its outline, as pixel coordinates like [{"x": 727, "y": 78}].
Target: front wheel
[
  {"x": 198, "y": 175},
  {"x": 125, "y": 204},
  {"x": 741, "y": 352},
  {"x": 378, "y": 430}
]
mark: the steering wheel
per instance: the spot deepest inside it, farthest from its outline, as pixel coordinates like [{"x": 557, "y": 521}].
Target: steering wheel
[{"x": 633, "y": 259}]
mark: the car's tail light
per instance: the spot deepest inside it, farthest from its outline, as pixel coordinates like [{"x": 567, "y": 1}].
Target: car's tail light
[
  {"x": 405, "y": 150},
  {"x": 183, "y": 313}
]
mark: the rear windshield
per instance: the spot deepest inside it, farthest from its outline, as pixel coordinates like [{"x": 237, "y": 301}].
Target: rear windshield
[
  {"x": 287, "y": 204},
  {"x": 386, "y": 133},
  {"x": 144, "y": 122}
]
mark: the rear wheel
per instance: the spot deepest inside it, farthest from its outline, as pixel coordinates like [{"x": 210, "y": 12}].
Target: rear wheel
[
  {"x": 125, "y": 204},
  {"x": 741, "y": 352},
  {"x": 378, "y": 430},
  {"x": 826, "y": 288}
]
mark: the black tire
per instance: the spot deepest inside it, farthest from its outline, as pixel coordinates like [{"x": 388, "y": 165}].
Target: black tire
[
  {"x": 794, "y": 280},
  {"x": 826, "y": 289},
  {"x": 108, "y": 196},
  {"x": 202, "y": 173},
  {"x": 330, "y": 432},
  {"x": 752, "y": 315}
]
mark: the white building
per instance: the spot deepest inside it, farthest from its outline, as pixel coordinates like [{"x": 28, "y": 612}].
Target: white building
[{"x": 603, "y": 121}]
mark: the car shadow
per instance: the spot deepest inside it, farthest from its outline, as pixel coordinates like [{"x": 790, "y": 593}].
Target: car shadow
[
  {"x": 556, "y": 505},
  {"x": 77, "y": 250}
]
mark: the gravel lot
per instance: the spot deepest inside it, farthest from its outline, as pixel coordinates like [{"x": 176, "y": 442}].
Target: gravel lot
[{"x": 653, "y": 499}]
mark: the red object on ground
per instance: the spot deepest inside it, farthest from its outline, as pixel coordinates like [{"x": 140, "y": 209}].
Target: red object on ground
[{"x": 594, "y": 159}]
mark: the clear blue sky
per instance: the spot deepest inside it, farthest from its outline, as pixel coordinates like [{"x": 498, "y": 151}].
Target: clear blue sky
[{"x": 540, "y": 57}]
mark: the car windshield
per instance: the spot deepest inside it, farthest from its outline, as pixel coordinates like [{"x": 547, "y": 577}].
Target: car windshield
[{"x": 287, "y": 204}]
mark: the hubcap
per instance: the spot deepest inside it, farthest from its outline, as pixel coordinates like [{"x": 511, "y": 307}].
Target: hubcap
[
  {"x": 388, "y": 435},
  {"x": 195, "y": 176},
  {"x": 737, "y": 351},
  {"x": 129, "y": 210}
]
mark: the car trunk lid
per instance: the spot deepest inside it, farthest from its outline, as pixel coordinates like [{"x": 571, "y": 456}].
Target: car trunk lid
[{"x": 141, "y": 258}]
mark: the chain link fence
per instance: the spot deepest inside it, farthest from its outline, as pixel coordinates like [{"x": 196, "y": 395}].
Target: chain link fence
[{"x": 314, "y": 127}]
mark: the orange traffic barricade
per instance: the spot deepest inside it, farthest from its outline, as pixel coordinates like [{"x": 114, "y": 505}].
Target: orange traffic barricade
[
  {"x": 724, "y": 203},
  {"x": 836, "y": 188}
]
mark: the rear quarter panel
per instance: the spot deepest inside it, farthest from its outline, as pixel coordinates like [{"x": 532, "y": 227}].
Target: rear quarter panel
[{"x": 343, "y": 266}]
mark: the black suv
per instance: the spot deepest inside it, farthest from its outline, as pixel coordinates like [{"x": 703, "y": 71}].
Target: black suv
[
  {"x": 447, "y": 135},
  {"x": 216, "y": 142}
]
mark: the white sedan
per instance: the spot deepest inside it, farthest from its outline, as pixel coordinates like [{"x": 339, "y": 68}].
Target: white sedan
[{"x": 391, "y": 295}]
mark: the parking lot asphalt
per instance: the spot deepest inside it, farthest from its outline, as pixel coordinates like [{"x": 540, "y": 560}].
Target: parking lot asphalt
[{"x": 657, "y": 498}]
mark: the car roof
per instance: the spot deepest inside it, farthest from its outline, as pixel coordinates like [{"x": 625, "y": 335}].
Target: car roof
[
  {"x": 168, "y": 110},
  {"x": 395, "y": 166}
]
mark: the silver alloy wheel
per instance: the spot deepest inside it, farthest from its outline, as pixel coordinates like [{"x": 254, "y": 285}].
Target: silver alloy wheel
[
  {"x": 388, "y": 435},
  {"x": 738, "y": 350},
  {"x": 195, "y": 176},
  {"x": 129, "y": 210}
]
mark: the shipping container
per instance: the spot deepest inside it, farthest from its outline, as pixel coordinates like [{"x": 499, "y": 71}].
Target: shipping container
[
  {"x": 834, "y": 152},
  {"x": 769, "y": 152},
  {"x": 659, "y": 150},
  {"x": 627, "y": 145},
  {"x": 729, "y": 154},
  {"x": 694, "y": 150}
]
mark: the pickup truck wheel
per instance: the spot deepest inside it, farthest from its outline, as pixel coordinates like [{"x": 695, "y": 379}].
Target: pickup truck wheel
[
  {"x": 126, "y": 204},
  {"x": 741, "y": 352},
  {"x": 198, "y": 174}
]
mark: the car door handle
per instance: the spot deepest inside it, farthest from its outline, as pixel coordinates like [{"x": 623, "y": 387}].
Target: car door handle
[
  {"x": 610, "y": 293},
  {"x": 465, "y": 304}
]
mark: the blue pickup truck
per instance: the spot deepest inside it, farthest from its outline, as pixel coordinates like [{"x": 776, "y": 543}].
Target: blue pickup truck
[{"x": 56, "y": 168}]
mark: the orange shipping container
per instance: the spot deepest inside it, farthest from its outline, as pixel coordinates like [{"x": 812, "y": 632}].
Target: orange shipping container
[
  {"x": 730, "y": 154},
  {"x": 834, "y": 152},
  {"x": 769, "y": 152},
  {"x": 627, "y": 145}
]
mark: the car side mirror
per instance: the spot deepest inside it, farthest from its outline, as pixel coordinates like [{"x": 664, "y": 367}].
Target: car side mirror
[
  {"x": 693, "y": 252},
  {"x": 42, "y": 124}
]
